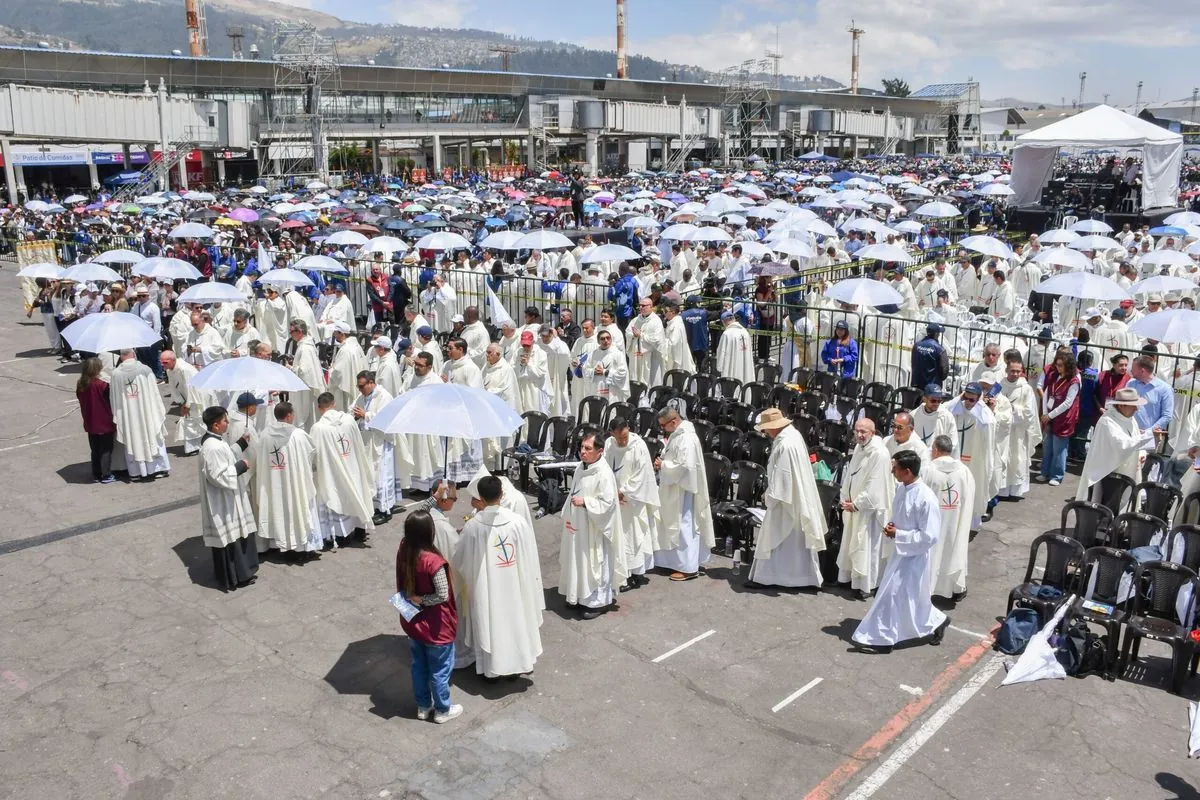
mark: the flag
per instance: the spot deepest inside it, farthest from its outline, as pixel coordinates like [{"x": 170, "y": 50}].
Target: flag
[
  {"x": 264, "y": 263},
  {"x": 496, "y": 310}
]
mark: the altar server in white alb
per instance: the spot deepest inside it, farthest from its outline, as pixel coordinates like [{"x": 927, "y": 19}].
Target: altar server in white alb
[
  {"x": 348, "y": 361},
  {"x": 591, "y": 559},
  {"x": 866, "y": 499},
  {"x": 976, "y": 429},
  {"x": 140, "y": 415},
  {"x": 954, "y": 487},
  {"x": 627, "y": 454},
  {"x": 287, "y": 493},
  {"x": 793, "y": 531},
  {"x": 902, "y": 610},
  {"x": 644, "y": 343},
  {"x": 344, "y": 478},
  {"x": 735, "y": 355},
  {"x": 501, "y": 616},
  {"x": 676, "y": 354},
  {"x": 190, "y": 400},
  {"x": 686, "y": 533},
  {"x": 379, "y": 445},
  {"x": 226, "y": 521}
]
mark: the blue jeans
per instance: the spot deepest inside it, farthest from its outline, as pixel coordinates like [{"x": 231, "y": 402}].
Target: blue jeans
[
  {"x": 431, "y": 668},
  {"x": 1054, "y": 456}
]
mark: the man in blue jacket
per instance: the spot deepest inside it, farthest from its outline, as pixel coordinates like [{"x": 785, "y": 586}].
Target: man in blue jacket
[
  {"x": 624, "y": 295},
  {"x": 695, "y": 323}
]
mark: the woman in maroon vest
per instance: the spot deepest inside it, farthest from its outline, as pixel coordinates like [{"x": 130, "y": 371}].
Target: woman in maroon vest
[
  {"x": 423, "y": 577},
  {"x": 1060, "y": 414},
  {"x": 94, "y": 405}
]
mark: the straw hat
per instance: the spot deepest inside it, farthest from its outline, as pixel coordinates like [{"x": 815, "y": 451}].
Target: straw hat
[
  {"x": 772, "y": 419},
  {"x": 1127, "y": 397}
]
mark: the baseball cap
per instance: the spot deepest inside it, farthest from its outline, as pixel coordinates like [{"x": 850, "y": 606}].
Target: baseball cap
[
  {"x": 341, "y": 327},
  {"x": 457, "y": 318},
  {"x": 726, "y": 314},
  {"x": 382, "y": 341},
  {"x": 403, "y": 345},
  {"x": 526, "y": 337},
  {"x": 246, "y": 399},
  {"x": 933, "y": 390},
  {"x": 425, "y": 331}
]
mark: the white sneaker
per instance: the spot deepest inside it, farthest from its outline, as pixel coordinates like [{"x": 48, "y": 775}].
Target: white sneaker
[
  {"x": 423, "y": 713},
  {"x": 1055, "y": 481},
  {"x": 455, "y": 710}
]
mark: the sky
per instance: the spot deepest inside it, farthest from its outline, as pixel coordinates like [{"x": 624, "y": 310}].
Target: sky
[{"x": 1032, "y": 50}]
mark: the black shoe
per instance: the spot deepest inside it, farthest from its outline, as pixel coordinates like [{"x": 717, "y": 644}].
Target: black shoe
[
  {"x": 628, "y": 585},
  {"x": 861, "y": 595},
  {"x": 381, "y": 518},
  {"x": 755, "y": 585},
  {"x": 871, "y": 649},
  {"x": 935, "y": 638},
  {"x": 640, "y": 580},
  {"x": 958, "y": 596},
  {"x": 986, "y": 517}
]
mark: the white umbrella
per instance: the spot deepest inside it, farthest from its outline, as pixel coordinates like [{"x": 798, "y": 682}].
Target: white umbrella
[
  {"x": 988, "y": 245},
  {"x": 678, "y": 232},
  {"x": 74, "y": 198},
  {"x": 1039, "y": 661},
  {"x": 118, "y": 257},
  {"x": 1178, "y": 218},
  {"x": 285, "y": 277},
  {"x": 103, "y": 333},
  {"x": 1095, "y": 242},
  {"x": 191, "y": 230},
  {"x": 1167, "y": 258},
  {"x": 885, "y": 252},
  {"x": 938, "y": 210},
  {"x": 43, "y": 270},
  {"x": 817, "y": 226},
  {"x": 346, "y": 237},
  {"x": 825, "y": 202},
  {"x": 710, "y": 234},
  {"x": 543, "y": 240},
  {"x": 722, "y": 204},
  {"x": 384, "y": 244},
  {"x": 316, "y": 186},
  {"x": 918, "y": 191},
  {"x": 635, "y": 222},
  {"x": 168, "y": 269},
  {"x": 610, "y": 252},
  {"x": 199, "y": 197},
  {"x": 502, "y": 240},
  {"x": 864, "y": 292},
  {"x": 247, "y": 374},
  {"x": 1091, "y": 226},
  {"x": 1063, "y": 257},
  {"x": 88, "y": 271},
  {"x": 1058, "y": 236},
  {"x": 1172, "y": 325},
  {"x": 208, "y": 292},
  {"x": 450, "y": 410},
  {"x": 995, "y": 190},
  {"x": 150, "y": 200},
  {"x": 797, "y": 248},
  {"x": 755, "y": 249},
  {"x": 1083, "y": 284},
  {"x": 320, "y": 264},
  {"x": 1162, "y": 284},
  {"x": 909, "y": 226},
  {"x": 735, "y": 219},
  {"x": 443, "y": 241}
]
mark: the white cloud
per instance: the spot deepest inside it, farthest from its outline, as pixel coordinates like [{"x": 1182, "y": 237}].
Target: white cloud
[{"x": 431, "y": 13}]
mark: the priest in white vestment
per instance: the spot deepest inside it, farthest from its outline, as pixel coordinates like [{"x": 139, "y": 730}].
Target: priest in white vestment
[
  {"x": 307, "y": 366},
  {"x": 637, "y": 491},
  {"x": 204, "y": 343},
  {"x": 975, "y": 426},
  {"x": 558, "y": 363},
  {"x": 608, "y": 322},
  {"x": 735, "y": 354},
  {"x": 283, "y": 482},
  {"x": 271, "y": 317},
  {"x": 476, "y": 335},
  {"x": 500, "y": 614},
  {"x": 348, "y": 361},
  {"x": 426, "y": 452},
  {"x": 344, "y": 477},
  {"x": 1117, "y": 443},
  {"x": 606, "y": 374},
  {"x": 904, "y": 437},
  {"x": 377, "y": 444},
  {"x": 644, "y": 343},
  {"x": 240, "y": 335},
  {"x": 533, "y": 374},
  {"x": 581, "y": 355},
  {"x": 902, "y": 609},
  {"x": 866, "y": 505},
  {"x": 464, "y": 456},
  {"x": 298, "y": 308},
  {"x": 793, "y": 530},
  {"x": 191, "y": 401},
  {"x": 338, "y": 311},
  {"x": 676, "y": 353},
  {"x": 592, "y": 563},
  {"x": 1002, "y": 424},
  {"x": 954, "y": 487},
  {"x": 510, "y": 499},
  {"x": 140, "y": 417},
  {"x": 1026, "y": 430},
  {"x": 686, "y": 536},
  {"x": 386, "y": 366},
  {"x": 226, "y": 522},
  {"x": 932, "y": 418},
  {"x": 499, "y": 379}
]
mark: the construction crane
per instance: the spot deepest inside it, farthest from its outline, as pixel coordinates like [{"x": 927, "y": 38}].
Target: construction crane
[
  {"x": 505, "y": 51},
  {"x": 775, "y": 56},
  {"x": 855, "y": 33},
  {"x": 622, "y": 67},
  {"x": 197, "y": 28}
]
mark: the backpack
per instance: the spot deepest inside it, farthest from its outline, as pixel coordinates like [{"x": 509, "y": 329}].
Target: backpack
[
  {"x": 551, "y": 495},
  {"x": 1080, "y": 651},
  {"x": 1017, "y": 629}
]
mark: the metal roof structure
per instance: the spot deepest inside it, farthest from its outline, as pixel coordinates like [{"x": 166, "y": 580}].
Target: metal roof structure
[{"x": 941, "y": 91}]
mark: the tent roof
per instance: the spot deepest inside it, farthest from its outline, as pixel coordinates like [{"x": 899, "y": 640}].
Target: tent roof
[{"x": 1098, "y": 127}]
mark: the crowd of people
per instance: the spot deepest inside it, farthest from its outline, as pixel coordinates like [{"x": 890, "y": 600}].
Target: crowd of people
[{"x": 730, "y": 280}]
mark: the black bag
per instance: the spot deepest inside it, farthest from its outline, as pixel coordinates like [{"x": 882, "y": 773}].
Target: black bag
[
  {"x": 1080, "y": 651},
  {"x": 551, "y": 495}
]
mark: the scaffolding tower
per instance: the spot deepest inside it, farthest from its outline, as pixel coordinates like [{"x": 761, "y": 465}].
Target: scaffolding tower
[
  {"x": 307, "y": 69},
  {"x": 746, "y": 106},
  {"x": 956, "y": 122}
]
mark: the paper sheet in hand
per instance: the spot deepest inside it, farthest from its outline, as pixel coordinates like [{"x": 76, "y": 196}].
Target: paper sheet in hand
[{"x": 406, "y": 609}]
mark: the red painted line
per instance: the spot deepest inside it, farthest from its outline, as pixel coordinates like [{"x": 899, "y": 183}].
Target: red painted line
[{"x": 891, "y": 730}]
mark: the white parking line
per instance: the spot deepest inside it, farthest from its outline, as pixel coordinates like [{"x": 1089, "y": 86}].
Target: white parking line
[
  {"x": 969, "y": 633},
  {"x": 683, "y": 646},
  {"x": 795, "y": 694},
  {"x": 913, "y": 690},
  {"x": 923, "y": 734},
  {"x": 30, "y": 444}
]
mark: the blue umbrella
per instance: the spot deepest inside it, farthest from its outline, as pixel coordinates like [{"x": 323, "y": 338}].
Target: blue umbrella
[
  {"x": 495, "y": 222},
  {"x": 427, "y": 218},
  {"x": 1168, "y": 230}
]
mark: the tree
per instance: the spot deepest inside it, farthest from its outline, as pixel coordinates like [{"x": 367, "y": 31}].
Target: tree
[{"x": 896, "y": 87}]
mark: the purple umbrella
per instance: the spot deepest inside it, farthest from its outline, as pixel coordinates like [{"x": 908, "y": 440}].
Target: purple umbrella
[
  {"x": 772, "y": 268},
  {"x": 244, "y": 215},
  {"x": 93, "y": 207}
]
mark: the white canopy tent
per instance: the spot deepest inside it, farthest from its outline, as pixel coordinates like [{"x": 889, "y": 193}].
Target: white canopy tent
[{"x": 1101, "y": 126}]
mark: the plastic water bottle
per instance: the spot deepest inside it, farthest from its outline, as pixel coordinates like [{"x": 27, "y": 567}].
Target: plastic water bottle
[
  {"x": 729, "y": 546},
  {"x": 737, "y": 564}
]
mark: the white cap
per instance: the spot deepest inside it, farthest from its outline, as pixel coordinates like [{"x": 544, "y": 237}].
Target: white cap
[
  {"x": 341, "y": 327},
  {"x": 457, "y": 318},
  {"x": 91, "y": 287},
  {"x": 1091, "y": 312},
  {"x": 382, "y": 341}
]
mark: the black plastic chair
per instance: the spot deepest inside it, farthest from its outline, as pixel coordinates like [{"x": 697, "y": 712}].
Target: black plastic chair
[
  {"x": 833, "y": 459},
  {"x": 825, "y": 384},
  {"x": 677, "y": 379},
  {"x": 644, "y": 421},
  {"x": 1154, "y": 467},
  {"x": 730, "y": 517},
  {"x": 806, "y": 426},
  {"x": 810, "y": 403},
  {"x": 636, "y": 390},
  {"x": 1183, "y": 546},
  {"x": 1092, "y": 522},
  {"x": 727, "y": 440},
  {"x": 801, "y": 376},
  {"x": 877, "y": 392},
  {"x": 781, "y": 397},
  {"x": 742, "y": 416},
  {"x": 655, "y": 446},
  {"x": 717, "y": 471},
  {"x": 1117, "y": 488},
  {"x": 658, "y": 396},
  {"x": 592, "y": 410},
  {"x": 754, "y": 394},
  {"x": 1189, "y": 509},
  {"x": 877, "y": 413},
  {"x": 700, "y": 385},
  {"x": 532, "y": 433},
  {"x": 1060, "y": 570},
  {"x": 830, "y": 493},
  {"x": 767, "y": 372},
  {"x": 704, "y": 432},
  {"x": 905, "y": 398},
  {"x": 1157, "y": 499},
  {"x": 557, "y": 441},
  {"x": 1131, "y": 529},
  {"x": 851, "y": 388},
  {"x": 835, "y": 434},
  {"x": 756, "y": 447},
  {"x": 623, "y": 411},
  {"x": 727, "y": 388},
  {"x": 1102, "y": 570},
  {"x": 1156, "y": 585}
]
